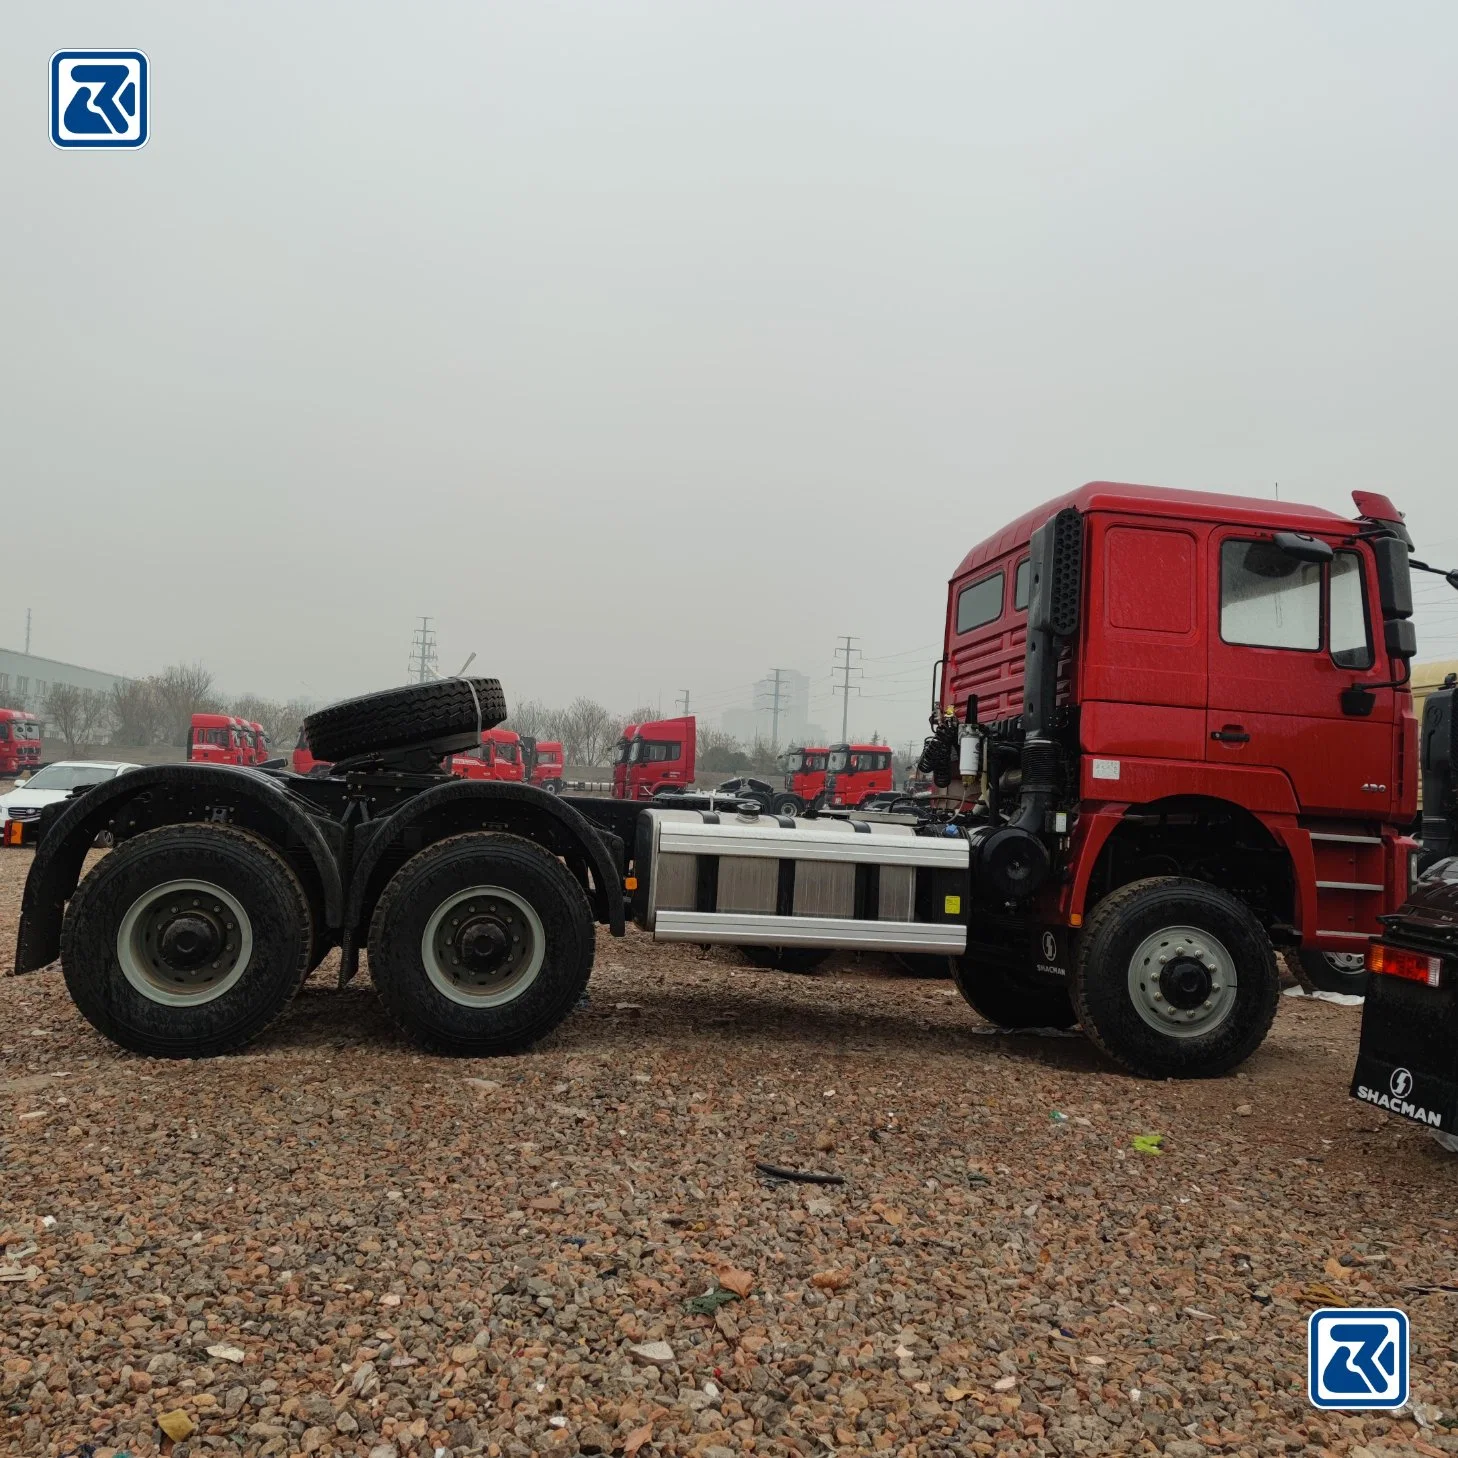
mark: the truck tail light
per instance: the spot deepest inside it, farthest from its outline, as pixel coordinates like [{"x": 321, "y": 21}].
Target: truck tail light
[
  {"x": 14, "y": 833},
  {"x": 1394, "y": 962}
]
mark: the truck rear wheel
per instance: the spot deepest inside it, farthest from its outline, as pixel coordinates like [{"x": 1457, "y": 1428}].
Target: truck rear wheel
[
  {"x": 1175, "y": 979},
  {"x": 450, "y": 709},
  {"x": 187, "y": 941},
  {"x": 998, "y": 993},
  {"x": 481, "y": 944},
  {"x": 787, "y": 805}
]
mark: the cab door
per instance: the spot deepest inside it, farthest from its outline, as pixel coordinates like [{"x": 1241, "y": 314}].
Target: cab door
[{"x": 1287, "y": 636}]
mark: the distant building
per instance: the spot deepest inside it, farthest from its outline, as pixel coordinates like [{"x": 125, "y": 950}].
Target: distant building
[
  {"x": 749, "y": 723},
  {"x": 26, "y": 679}
]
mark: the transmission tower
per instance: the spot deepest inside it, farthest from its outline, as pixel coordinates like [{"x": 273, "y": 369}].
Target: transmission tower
[
  {"x": 423, "y": 656},
  {"x": 682, "y": 704},
  {"x": 777, "y": 695},
  {"x": 845, "y": 667}
]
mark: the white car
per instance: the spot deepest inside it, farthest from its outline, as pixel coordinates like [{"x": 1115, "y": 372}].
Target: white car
[{"x": 55, "y": 782}]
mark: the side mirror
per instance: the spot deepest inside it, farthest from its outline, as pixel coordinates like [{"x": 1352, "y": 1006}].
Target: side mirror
[
  {"x": 1401, "y": 637},
  {"x": 1304, "y": 548},
  {"x": 1394, "y": 577}
]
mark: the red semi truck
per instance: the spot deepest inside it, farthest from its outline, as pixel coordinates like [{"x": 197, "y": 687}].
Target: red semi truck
[
  {"x": 804, "y": 767},
  {"x": 658, "y": 755},
  {"x": 1173, "y": 737},
  {"x": 543, "y": 761},
  {"x": 20, "y": 742},
  {"x": 856, "y": 772},
  {"x": 220, "y": 739},
  {"x": 498, "y": 758}
]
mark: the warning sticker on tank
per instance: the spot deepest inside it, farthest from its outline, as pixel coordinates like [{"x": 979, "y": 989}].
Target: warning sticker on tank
[{"x": 1106, "y": 769}]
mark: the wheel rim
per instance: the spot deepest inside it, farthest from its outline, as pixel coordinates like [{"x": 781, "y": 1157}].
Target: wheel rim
[
  {"x": 1182, "y": 981},
  {"x": 1347, "y": 963},
  {"x": 483, "y": 946},
  {"x": 184, "y": 943}
]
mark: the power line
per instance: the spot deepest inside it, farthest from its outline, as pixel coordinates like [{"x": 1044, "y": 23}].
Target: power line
[
  {"x": 776, "y": 697},
  {"x": 845, "y": 669},
  {"x": 684, "y": 701},
  {"x": 424, "y": 659}
]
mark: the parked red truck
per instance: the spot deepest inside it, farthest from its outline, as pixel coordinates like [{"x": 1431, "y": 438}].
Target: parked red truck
[
  {"x": 804, "y": 767},
  {"x": 543, "y": 761},
  {"x": 220, "y": 739},
  {"x": 1173, "y": 736},
  {"x": 498, "y": 758},
  {"x": 856, "y": 772},
  {"x": 20, "y": 742},
  {"x": 659, "y": 755}
]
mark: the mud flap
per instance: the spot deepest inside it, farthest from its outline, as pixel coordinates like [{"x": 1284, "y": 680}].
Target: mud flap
[
  {"x": 1407, "y": 1062},
  {"x": 1052, "y": 951}
]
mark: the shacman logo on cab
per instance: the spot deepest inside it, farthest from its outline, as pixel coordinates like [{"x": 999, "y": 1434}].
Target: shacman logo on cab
[
  {"x": 99, "y": 99},
  {"x": 1400, "y": 1085}
]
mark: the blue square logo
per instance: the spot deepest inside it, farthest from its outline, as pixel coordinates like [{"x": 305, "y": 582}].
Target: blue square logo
[
  {"x": 99, "y": 99},
  {"x": 1356, "y": 1358}
]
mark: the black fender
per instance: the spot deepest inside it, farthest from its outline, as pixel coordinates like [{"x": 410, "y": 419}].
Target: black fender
[
  {"x": 170, "y": 794},
  {"x": 457, "y": 806}
]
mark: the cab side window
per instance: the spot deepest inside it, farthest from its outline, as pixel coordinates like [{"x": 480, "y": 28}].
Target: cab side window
[
  {"x": 980, "y": 604},
  {"x": 1267, "y": 598},
  {"x": 1022, "y": 585},
  {"x": 1351, "y": 633}
]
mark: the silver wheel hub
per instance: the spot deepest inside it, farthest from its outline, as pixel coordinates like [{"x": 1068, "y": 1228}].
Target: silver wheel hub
[
  {"x": 184, "y": 943},
  {"x": 1182, "y": 981},
  {"x": 483, "y": 946},
  {"x": 1345, "y": 962}
]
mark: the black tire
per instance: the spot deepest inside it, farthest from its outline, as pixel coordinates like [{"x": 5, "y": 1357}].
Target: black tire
[
  {"x": 786, "y": 959},
  {"x": 116, "y": 925},
  {"x": 420, "y": 713},
  {"x": 1332, "y": 972},
  {"x": 1009, "y": 998},
  {"x": 1207, "y": 929},
  {"x": 552, "y": 787},
  {"x": 787, "y": 805},
  {"x": 524, "y": 906}
]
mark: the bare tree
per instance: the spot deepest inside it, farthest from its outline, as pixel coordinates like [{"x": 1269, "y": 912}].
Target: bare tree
[
  {"x": 80, "y": 716},
  {"x": 280, "y": 721},
  {"x": 720, "y": 751},
  {"x": 183, "y": 690},
  {"x": 587, "y": 731},
  {"x": 136, "y": 715},
  {"x": 533, "y": 717}
]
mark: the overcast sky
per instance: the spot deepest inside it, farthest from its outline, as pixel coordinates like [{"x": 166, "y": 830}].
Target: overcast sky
[{"x": 646, "y": 346}]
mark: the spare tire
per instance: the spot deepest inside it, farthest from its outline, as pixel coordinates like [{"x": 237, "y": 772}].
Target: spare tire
[{"x": 443, "y": 712}]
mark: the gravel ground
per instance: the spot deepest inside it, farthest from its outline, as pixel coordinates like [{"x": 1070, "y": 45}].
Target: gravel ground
[{"x": 333, "y": 1244}]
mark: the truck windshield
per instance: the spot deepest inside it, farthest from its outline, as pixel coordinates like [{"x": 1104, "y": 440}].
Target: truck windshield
[
  {"x": 27, "y": 729},
  {"x": 794, "y": 762},
  {"x": 506, "y": 753},
  {"x": 621, "y": 753},
  {"x": 839, "y": 760},
  {"x": 814, "y": 762}
]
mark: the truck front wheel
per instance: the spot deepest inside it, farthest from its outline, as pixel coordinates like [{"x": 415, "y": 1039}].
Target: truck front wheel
[
  {"x": 187, "y": 941},
  {"x": 481, "y": 944},
  {"x": 998, "y": 993},
  {"x": 1175, "y": 979}
]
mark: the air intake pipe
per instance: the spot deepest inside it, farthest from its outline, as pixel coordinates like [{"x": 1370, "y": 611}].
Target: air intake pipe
[{"x": 1013, "y": 860}]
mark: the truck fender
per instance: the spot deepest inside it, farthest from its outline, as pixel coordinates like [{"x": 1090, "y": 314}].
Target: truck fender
[
  {"x": 447, "y": 809},
  {"x": 176, "y": 794}
]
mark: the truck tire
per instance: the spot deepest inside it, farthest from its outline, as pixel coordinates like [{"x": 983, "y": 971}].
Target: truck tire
[
  {"x": 419, "y": 713},
  {"x": 481, "y": 944},
  {"x": 1336, "y": 971},
  {"x": 787, "y": 805},
  {"x": 141, "y": 931},
  {"x": 786, "y": 959},
  {"x": 1008, "y": 999},
  {"x": 1175, "y": 979}
]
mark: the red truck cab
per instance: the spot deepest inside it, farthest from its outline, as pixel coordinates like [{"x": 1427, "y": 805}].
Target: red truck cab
[
  {"x": 219, "y": 739},
  {"x": 660, "y": 756},
  {"x": 259, "y": 740},
  {"x": 499, "y": 758},
  {"x": 805, "y": 768},
  {"x": 20, "y": 742},
  {"x": 303, "y": 761},
  {"x": 543, "y": 761},
  {"x": 857, "y": 771}
]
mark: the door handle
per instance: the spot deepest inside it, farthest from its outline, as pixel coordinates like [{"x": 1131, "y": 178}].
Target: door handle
[{"x": 1230, "y": 734}]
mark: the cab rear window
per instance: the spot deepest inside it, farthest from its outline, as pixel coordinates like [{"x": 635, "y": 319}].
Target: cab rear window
[{"x": 980, "y": 604}]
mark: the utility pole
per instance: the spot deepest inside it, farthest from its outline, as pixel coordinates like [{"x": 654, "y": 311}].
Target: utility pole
[
  {"x": 423, "y": 657},
  {"x": 845, "y": 668},
  {"x": 27, "y": 632},
  {"x": 683, "y": 704},
  {"x": 777, "y": 694}
]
